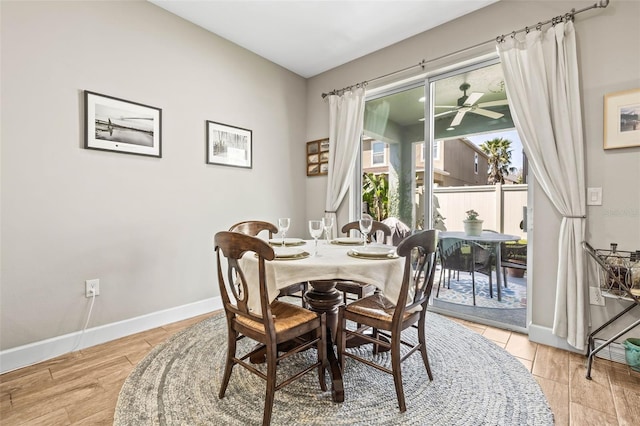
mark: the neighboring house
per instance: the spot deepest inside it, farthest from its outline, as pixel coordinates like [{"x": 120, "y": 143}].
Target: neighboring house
[{"x": 457, "y": 162}]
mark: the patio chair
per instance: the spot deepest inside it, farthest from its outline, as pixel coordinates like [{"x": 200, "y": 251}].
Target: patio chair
[
  {"x": 464, "y": 256},
  {"x": 512, "y": 255}
]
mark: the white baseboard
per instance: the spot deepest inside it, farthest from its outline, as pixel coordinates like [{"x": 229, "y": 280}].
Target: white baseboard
[
  {"x": 544, "y": 335},
  {"x": 33, "y": 353}
]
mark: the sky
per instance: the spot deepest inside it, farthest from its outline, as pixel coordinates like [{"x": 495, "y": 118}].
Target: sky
[{"x": 512, "y": 135}]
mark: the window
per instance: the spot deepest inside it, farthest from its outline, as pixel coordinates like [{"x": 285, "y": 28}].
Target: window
[
  {"x": 436, "y": 150},
  {"x": 475, "y": 163},
  {"x": 377, "y": 153}
]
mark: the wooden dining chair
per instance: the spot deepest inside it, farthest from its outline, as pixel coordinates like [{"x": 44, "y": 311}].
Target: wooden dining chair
[
  {"x": 276, "y": 323},
  {"x": 380, "y": 232},
  {"x": 360, "y": 290},
  {"x": 388, "y": 320},
  {"x": 255, "y": 227}
]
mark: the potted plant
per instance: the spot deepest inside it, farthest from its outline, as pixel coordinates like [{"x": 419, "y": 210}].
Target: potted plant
[{"x": 472, "y": 225}]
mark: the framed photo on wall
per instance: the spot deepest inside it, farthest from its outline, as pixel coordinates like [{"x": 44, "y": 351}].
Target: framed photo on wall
[
  {"x": 229, "y": 145},
  {"x": 118, "y": 125},
  {"x": 622, "y": 119}
]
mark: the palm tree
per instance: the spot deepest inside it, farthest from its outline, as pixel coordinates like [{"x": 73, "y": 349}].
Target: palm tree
[
  {"x": 375, "y": 192},
  {"x": 499, "y": 159}
]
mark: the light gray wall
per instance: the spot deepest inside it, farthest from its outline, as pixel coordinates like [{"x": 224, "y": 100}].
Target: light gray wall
[
  {"x": 144, "y": 226},
  {"x": 607, "y": 42}
]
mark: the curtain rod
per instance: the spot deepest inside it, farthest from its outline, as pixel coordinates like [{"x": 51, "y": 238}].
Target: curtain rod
[{"x": 567, "y": 16}]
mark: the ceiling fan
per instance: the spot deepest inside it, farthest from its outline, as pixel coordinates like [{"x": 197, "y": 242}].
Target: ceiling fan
[{"x": 469, "y": 104}]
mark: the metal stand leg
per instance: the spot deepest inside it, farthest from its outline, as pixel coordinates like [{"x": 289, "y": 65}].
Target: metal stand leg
[{"x": 593, "y": 350}]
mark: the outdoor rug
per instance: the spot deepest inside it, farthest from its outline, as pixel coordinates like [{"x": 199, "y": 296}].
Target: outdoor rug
[
  {"x": 475, "y": 383},
  {"x": 513, "y": 297}
]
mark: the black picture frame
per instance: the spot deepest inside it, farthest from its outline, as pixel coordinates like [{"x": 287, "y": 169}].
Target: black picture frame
[
  {"x": 229, "y": 145},
  {"x": 119, "y": 125}
]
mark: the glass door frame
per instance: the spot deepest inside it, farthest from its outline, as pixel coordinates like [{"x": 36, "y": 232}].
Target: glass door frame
[{"x": 355, "y": 200}]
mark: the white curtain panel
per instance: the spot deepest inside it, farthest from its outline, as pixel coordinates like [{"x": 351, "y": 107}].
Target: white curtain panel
[
  {"x": 542, "y": 82},
  {"x": 346, "y": 117}
]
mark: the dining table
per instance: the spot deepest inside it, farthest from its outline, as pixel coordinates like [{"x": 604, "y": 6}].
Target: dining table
[
  {"x": 490, "y": 238},
  {"x": 339, "y": 259}
]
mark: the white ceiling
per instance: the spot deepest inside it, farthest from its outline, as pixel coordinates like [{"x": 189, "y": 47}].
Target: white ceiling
[{"x": 309, "y": 37}]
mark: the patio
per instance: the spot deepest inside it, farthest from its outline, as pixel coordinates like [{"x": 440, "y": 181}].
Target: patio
[{"x": 457, "y": 299}]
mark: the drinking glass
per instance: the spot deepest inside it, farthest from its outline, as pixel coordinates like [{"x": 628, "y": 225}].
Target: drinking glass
[
  {"x": 315, "y": 229},
  {"x": 327, "y": 224},
  {"x": 366, "y": 222},
  {"x": 283, "y": 226}
]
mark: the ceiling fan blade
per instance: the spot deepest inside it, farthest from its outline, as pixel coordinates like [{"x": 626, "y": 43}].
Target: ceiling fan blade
[
  {"x": 444, "y": 113},
  {"x": 493, "y": 103},
  {"x": 445, "y": 106},
  {"x": 473, "y": 98},
  {"x": 487, "y": 113},
  {"x": 458, "y": 118}
]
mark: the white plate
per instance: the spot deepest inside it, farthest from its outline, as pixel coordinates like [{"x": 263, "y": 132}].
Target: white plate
[
  {"x": 289, "y": 253},
  {"x": 374, "y": 251},
  {"x": 349, "y": 241},
  {"x": 287, "y": 241}
]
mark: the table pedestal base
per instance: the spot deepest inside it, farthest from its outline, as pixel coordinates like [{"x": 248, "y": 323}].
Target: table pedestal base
[{"x": 323, "y": 297}]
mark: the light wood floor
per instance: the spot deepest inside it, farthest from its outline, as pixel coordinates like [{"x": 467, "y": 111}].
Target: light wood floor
[{"x": 82, "y": 387}]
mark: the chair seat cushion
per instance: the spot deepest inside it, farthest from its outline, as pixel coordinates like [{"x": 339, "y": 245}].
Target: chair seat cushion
[
  {"x": 375, "y": 306},
  {"x": 285, "y": 316}
]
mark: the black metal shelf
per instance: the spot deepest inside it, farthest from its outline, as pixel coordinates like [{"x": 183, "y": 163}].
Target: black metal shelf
[{"x": 615, "y": 285}]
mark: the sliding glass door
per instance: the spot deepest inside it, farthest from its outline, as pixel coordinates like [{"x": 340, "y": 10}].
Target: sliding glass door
[
  {"x": 392, "y": 156},
  {"x": 417, "y": 173}
]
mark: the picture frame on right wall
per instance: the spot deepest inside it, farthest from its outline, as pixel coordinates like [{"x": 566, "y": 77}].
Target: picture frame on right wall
[{"x": 622, "y": 119}]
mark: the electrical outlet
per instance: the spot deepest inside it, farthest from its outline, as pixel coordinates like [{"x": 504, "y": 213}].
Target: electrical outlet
[
  {"x": 92, "y": 286},
  {"x": 595, "y": 296}
]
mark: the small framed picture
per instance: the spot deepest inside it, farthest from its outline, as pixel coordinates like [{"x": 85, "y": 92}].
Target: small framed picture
[
  {"x": 113, "y": 124},
  {"x": 313, "y": 169},
  {"x": 317, "y": 157},
  {"x": 229, "y": 145},
  {"x": 622, "y": 119},
  {"x": 312, "y": 147}
]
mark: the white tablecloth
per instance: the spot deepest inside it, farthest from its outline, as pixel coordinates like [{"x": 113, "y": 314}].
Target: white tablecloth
[{"x": 332, "y": 262}]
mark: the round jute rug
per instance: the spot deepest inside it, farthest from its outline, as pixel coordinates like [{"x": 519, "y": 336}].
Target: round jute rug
[{"x": 475, "y": 383}]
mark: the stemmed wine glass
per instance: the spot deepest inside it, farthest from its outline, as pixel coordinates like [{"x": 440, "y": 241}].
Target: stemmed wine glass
[
  {"x": 366, "y": 222},
  {"x": 315, "y": 229},
  {"x": 327, "y": 224},
  {"x": 283, "y": 226}
]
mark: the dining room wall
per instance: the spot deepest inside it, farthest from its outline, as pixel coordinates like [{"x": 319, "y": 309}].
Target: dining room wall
[
  {"x": 142, "y": 225},
  {"x": 607, "y": 62}
]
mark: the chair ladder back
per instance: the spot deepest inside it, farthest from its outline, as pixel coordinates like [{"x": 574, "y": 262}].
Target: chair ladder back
[
  {"x": 376, "y": 227},
  {"x": 233, "y": 247},
  {"x": 254, "y": 227},
  {"x": 419, "y": 270}
]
